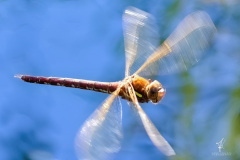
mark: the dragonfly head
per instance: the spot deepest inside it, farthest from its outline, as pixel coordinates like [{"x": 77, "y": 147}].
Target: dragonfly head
[{"x": 155, "y": 91}]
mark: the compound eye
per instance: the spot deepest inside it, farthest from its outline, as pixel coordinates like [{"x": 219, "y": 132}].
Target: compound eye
[
  {"x": 152, "y": 92},
  {"x": 161, "y": 90},
  {"x": 155, "y": 92},
  {"x": 161, "y": 94}
]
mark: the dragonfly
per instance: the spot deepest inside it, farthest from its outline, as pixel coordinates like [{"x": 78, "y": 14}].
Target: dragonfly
[{"x": 101, "y": 134}]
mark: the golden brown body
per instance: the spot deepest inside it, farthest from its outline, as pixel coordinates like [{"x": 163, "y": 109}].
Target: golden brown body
[
  {"x": 145, "y": 90},
  {"x": 139, "y": 84}
]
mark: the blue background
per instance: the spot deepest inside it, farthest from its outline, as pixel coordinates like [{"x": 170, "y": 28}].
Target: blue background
[{"x": 83, "y": 39}]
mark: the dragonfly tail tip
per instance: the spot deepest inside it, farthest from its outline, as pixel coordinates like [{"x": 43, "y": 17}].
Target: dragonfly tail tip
[{"x": 18, "y": 76}]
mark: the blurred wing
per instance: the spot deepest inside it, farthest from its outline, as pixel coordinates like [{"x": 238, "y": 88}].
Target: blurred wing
[
  {"x": 140, "y": 38},
  {"x": 101, "y": 134},
  {"x": 151, "y": 130},
  {"x": 183, "y": 47}
]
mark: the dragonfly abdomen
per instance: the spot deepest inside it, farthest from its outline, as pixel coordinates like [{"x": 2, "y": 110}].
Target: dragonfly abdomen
[{"x": 105, "y": 87}]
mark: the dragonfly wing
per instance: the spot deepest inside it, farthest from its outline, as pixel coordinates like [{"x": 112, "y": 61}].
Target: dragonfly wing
[
  {"x": 151, "y": 130},
  {"x": 183, "y": 47},
  {"x": 140, "y": 38},
  {"x": 101, "y": 134}
]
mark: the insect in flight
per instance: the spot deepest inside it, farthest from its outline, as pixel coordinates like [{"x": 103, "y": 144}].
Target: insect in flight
[{"x": 100, "y": 135}]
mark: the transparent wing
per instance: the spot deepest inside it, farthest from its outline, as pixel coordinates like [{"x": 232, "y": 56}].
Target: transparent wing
[
  {"x": 183, "y": 47},
  {"x": 151, "y": 130},
  {"x": 140, "y": 38},
  {"x": 101, "y": 134}
]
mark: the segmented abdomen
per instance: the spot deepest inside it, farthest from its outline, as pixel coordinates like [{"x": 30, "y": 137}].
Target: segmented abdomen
[{"x": 105, "y": 87}]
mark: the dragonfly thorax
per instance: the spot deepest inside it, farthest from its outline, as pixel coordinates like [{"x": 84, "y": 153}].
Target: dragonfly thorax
[{"x": 146, "y": 90}]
